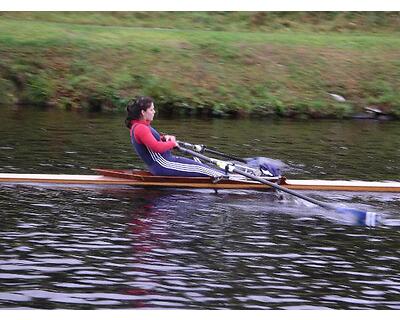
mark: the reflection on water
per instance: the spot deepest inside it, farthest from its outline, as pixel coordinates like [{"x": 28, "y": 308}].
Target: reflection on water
[
  {"x": 138, "y": 248},
  {"x": 101, "y": 247}
]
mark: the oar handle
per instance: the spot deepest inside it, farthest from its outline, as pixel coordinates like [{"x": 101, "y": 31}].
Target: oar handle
[{"x": 190, "y": 145}]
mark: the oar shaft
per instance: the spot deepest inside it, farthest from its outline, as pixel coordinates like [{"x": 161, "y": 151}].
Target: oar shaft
[
  {"x": 218, "y": 153},
  {"x": 253, "y": 177},
  {"x": 227, "y": 156},
  {"x": 359, "y": 217},
  {"x": 278, "y": 187}
]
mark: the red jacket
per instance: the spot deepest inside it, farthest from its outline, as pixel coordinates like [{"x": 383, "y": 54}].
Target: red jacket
[{"x": 143, "y": 135}]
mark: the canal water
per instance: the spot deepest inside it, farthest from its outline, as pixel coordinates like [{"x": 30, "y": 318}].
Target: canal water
[{"x": 116, "y": 248}]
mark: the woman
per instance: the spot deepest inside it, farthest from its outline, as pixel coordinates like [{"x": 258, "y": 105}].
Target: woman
[{"x": 154, "y": 149}]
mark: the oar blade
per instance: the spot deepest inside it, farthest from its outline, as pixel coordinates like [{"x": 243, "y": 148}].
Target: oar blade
[
  {"x": 361, "y": 217},
  {"x": 267, "y": 166}
]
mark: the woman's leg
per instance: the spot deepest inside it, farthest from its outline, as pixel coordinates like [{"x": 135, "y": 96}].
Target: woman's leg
[{"x": 182, "y": 167}]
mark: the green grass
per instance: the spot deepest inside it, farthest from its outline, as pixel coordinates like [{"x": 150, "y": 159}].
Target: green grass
[
  {"x": 73, "y": 62},
  {"x": 228, "y": 21}
]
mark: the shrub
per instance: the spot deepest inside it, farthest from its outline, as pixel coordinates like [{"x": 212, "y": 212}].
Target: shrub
[{"x": 39, "y": 90}]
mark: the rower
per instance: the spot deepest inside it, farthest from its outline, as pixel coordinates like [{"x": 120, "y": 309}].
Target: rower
[{"x": 155, "y": 149}]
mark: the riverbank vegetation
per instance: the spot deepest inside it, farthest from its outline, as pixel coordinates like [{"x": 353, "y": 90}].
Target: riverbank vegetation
[{"x": 285, "y": 64}]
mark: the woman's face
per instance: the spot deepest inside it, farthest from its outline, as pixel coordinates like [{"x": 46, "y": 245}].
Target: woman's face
[{"x": 148, "y": 115}]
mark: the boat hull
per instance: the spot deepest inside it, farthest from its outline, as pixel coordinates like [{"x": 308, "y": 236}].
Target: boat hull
[{"x": 144, "y": 179}]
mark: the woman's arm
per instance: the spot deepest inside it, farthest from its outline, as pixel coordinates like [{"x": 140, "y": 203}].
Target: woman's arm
[{"x": 143, "y": 135}]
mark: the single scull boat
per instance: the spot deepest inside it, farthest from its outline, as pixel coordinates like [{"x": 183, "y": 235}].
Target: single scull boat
[
  {"x": 237, "y": 177},
  {"x": 141, "y": 178}
]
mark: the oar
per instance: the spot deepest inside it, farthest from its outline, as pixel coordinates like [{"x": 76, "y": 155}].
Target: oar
[
  {"x": 267, "y": 166},
  {"x": 203, "y": 148},
  {"x": 362, "y": 217}
]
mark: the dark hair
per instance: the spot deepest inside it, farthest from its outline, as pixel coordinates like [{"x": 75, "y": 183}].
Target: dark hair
[{"x": 135, "y": 107}]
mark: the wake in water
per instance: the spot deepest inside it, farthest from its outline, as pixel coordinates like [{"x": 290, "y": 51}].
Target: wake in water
[{"x": 384, "y": 205}]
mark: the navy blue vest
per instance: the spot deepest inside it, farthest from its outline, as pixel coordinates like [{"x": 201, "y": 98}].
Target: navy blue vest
[{"x": 142, "y": 150}]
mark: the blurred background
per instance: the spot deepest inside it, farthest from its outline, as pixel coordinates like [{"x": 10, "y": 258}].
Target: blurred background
[{"x": 287, "y": 64}]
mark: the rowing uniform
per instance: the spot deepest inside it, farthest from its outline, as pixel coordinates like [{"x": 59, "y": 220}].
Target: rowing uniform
[{"x": 158, "y": 157}]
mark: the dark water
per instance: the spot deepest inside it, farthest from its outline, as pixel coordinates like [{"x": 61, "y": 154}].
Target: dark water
[{"x": 102, "y": 247}]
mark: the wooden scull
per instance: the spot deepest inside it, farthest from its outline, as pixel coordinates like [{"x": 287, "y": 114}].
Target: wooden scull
[{"x": 138, "y": 178}]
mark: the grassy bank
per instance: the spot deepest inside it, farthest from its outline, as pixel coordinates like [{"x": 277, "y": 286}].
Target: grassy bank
[{"x": 71, "y": 62}]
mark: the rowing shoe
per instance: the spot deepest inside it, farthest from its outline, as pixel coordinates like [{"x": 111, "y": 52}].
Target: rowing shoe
[{"x": 361, "y": 217}]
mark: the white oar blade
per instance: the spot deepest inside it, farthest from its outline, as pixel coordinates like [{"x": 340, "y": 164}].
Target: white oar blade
[{"x": 362, "y": 218}]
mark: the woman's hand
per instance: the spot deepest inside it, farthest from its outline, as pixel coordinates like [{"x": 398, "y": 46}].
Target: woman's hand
[{"x": 169, "y": 138}]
